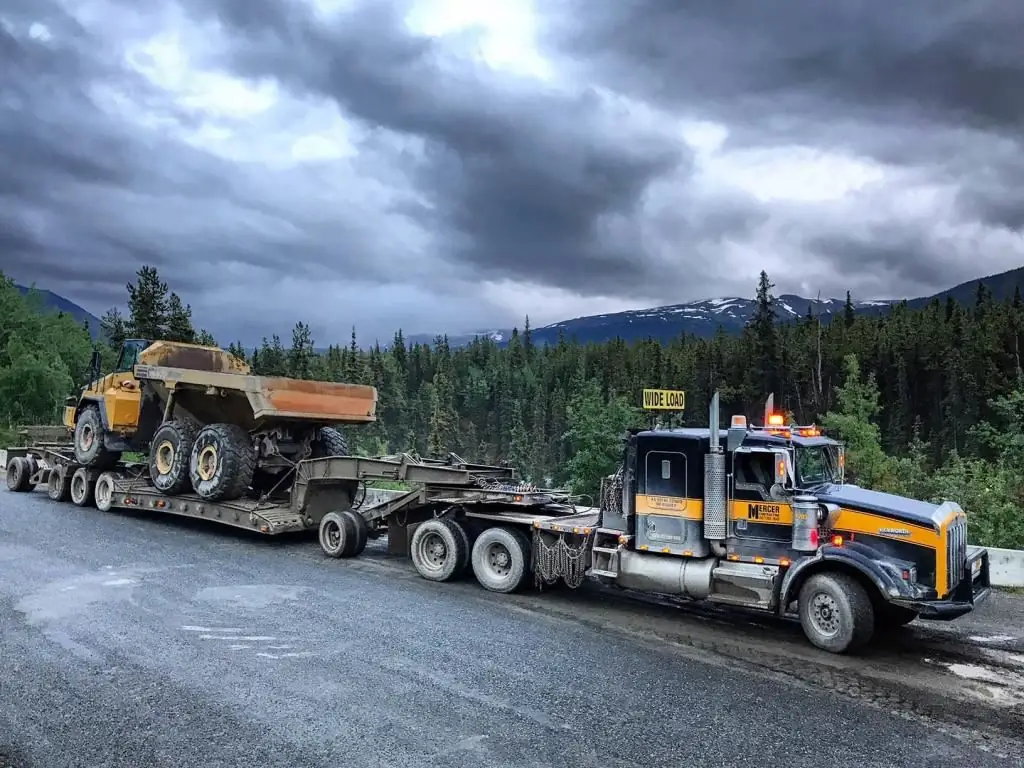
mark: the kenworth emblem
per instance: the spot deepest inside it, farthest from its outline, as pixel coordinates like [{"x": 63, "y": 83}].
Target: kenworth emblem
[{"x": 894, "y": 531}]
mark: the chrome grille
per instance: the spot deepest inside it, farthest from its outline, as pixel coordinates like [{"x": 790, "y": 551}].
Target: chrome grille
[{"x": 956, "y": 552}]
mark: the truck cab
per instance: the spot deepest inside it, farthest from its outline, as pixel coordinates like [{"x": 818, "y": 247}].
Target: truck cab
[{"x": 762, "y": 517}]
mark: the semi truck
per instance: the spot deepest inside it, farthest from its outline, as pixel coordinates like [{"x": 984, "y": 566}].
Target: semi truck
[{"x": 756, "y": 517}]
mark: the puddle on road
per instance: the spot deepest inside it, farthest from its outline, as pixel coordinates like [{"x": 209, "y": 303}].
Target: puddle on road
[
  {"x": 998, "y": 685},
  {"x": 993, "y": 638}
]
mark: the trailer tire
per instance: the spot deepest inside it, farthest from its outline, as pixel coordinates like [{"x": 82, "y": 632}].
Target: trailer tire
[
  {"x": 83, "y": 489},
  {"x": 836, "y": 613},
  {"x": 90, "y": 440},
  {"x": 329, "y": 442},
  {"x": 338, "y": 535},
  {"x": 438, "y": 550},
  {"x": 58, "y": 486},
  {"x": 170, "y": 456},
  {"x": 361, "y": 529},
  {"x": 501, "y": 559},
  {"x": 222, "y": 462},
  {"x": 18, "y": 475},
  {"x": 104, "y": 491}
]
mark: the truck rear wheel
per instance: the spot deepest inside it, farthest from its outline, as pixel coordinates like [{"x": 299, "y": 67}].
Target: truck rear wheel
[
  {"x": 18, "y": 474},
  {"x": 90, "y": 444},
  {"x": 836, "y": 612},
  {"x": 438, "y": 549},
  {"x": 82, "y": 488},
  {"x": 329, "y": 442},
  {"x": 169, "y": 456},
  {"x": 501, "y": 559},
  {"x": 222, "y": 462},
  {"x": 58, "y": 485},
  {"x": 104, "y": 491}
]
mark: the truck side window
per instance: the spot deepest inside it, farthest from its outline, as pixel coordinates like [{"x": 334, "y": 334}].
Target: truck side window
[
  {"x": 665, "y": 474},
  {"x": 755, "y": 469}
]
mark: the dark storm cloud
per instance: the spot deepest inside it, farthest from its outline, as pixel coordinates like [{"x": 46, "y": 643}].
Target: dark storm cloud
[{"x": 526, "y": 181}]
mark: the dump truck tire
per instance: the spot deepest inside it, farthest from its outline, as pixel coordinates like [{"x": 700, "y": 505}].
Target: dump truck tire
[
  {"x": 836, "y": 612},
  {"x": 90, "y": 443},
  {"x": 104, "y": 491},
  {"x": 18, "y": 474},
  {"x": 83, "y": 489},
  {"x": 170, "y": 456},
  {"x": 338, "y": 535},
  {"x": 58, "y": 485},
  {"x": 329, "y": 442},
  {"x": 438, "y": 550},
  {"x": 501, "y": 559},
  {"x": 222, "y": 462}
]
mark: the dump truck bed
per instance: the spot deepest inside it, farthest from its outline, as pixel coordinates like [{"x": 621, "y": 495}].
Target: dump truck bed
[{"x": 207, "y": 395}]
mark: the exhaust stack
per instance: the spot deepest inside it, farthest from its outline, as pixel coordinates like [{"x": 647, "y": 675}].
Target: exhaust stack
[{"x": 714, "y": 480}]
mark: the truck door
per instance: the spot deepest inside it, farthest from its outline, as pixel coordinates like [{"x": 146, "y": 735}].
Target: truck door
[
  {"x": 667, "y": 519},
  {"x": 758, "y": 514}
]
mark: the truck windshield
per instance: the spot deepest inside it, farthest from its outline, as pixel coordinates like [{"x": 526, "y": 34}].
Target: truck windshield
[{"x": 817, "y": 465}]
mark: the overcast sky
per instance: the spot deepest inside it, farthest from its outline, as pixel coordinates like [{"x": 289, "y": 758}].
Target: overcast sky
[{"x": 453, "y": 165}]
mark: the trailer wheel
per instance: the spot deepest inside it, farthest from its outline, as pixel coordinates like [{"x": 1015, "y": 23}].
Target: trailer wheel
[
  {"x": 438, "y": 550},
  {"x": 836, "y": 612},
  {"x": 501, "y": 559},
  {"x": 338, "y": 535},
  {"x": 222, "y": 462},
  {"x": 58, "y": 486},
  {"x": 329, "y": 442},
  {"x": 362, "y": 529},
  {"x": 90, "y": 443},
  {"x": 18, "y": 475},
  {"x": 104, "y": 491},
  {"x": 83, "y": 489},
  {"x": 170, "y": 453}
]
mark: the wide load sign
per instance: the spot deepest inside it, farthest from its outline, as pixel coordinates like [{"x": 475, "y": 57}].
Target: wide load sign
[{"x": 664, "y": 400}]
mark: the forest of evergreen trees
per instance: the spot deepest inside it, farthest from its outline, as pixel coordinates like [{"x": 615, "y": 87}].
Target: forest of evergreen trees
[{"x": 931, "y": 401}]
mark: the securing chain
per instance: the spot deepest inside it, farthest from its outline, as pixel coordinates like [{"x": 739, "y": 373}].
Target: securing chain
[{"x": 559, "y": 560}]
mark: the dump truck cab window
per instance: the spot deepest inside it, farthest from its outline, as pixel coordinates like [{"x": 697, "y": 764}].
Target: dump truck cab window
[{"x": 130, "y": 354}]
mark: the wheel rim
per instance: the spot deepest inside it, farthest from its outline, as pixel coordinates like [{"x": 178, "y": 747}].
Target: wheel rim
[
  {"x": 332, "y": 535},
  {"x": 207, "y": 463},
  {"x": 433, "y": 551},
  {"x": 78, "y": 486},
  {"x": 104, "y": 492},
  {"x": 87, "y": 437},
  {"x": 825, "y": 614},
  {"x": 53, "y": 482},
  {"x": 498, "y": 559},
  {"x": 165, "y": 457},
  {"x": 12, "y": 473}
]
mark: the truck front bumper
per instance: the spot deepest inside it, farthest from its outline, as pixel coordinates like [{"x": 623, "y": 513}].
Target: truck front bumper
[{"x": 972, "y": 590}]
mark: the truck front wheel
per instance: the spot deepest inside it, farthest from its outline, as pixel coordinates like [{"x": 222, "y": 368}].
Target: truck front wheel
[
  {"x": 90, "y": 442},
  {"x": 836, "y": 612}
]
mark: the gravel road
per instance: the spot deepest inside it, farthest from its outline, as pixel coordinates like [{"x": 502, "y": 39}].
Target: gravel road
[{"x": 131, "y": 640}]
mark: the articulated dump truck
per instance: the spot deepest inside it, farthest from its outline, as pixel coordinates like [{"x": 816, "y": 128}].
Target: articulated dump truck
[{"x": 756, "y": 517}]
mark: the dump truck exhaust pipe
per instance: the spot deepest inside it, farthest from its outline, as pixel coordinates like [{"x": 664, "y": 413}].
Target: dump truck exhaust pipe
[{"x": 714, "y": 484}]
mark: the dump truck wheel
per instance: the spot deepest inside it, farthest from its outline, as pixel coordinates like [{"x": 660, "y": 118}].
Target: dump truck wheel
[
  {"x": 104, "y": 491},
  {"x": 501, "y": 559},
  {"x": 90, "y": 443},
  {"x": 329, "y": 442},
  {"x": 83, "y": 489},
  {"x": 836, "y": 612},
  {"x": 361, "y": 528},
  {"x": 338, "y": 535},
  {"x": 222, "y": 462},
  {"x": 170, "y": 453},
  {"x": 58, "y": 486},
  {"x": 438, "y": 550},
  {"x": 18, "y": 475}
]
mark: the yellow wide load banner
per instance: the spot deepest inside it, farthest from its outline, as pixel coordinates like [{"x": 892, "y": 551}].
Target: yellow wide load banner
[{"x": 664, "y": 400}]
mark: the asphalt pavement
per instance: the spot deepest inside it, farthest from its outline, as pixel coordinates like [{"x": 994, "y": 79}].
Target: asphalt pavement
[{"x": 127, "y": 639}]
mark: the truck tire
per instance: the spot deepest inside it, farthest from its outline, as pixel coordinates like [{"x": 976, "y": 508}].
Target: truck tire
[
  {"x": 836, "y": 612},
  {"x": 501, "y": 559},
  {"x": 338, "y": 535},
  {"x": 222, "y": 462},
  {"x": 170, "y": 454},
  {"x": 83, "y": 489},
  {"x": 438, "y": 550},
  {"x": 329, "y": 442},
  {"x": 18, "y": 475},
  {"x": 58, "y": 485},
  {"x": 104, "y": 491},
  {"x": 90, "y": 441},
  {"x": 361, "y": 528}
]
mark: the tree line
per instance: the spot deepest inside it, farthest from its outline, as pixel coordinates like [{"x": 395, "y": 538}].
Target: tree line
[{"x": 931, "y": 401}]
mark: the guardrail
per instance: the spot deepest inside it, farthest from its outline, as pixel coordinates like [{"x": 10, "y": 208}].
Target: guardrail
[{"x": 1007, "y": 565}]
